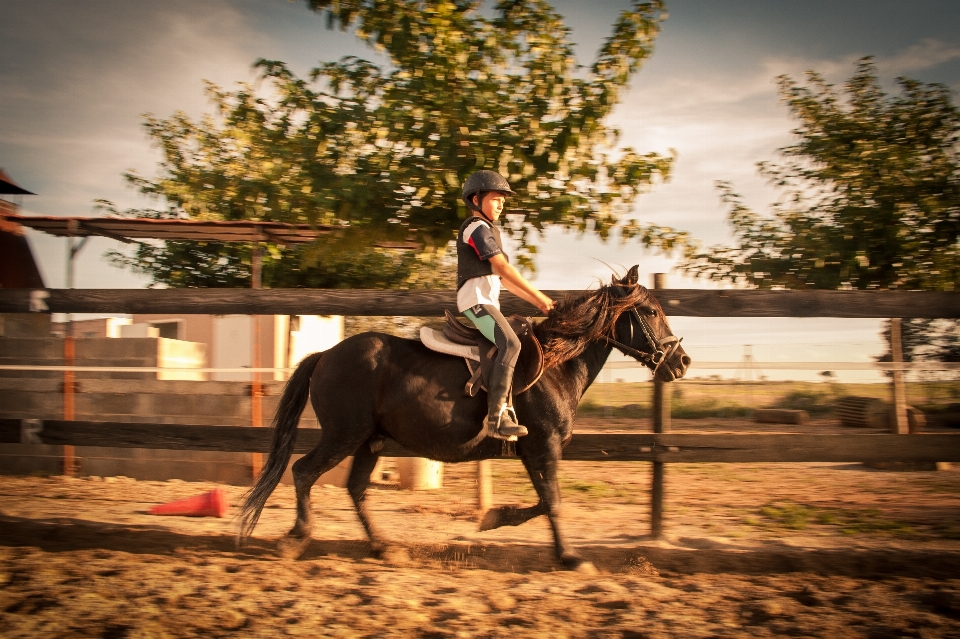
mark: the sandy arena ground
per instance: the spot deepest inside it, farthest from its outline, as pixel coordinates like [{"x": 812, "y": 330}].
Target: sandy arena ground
[{"x": 762, "y": 550}]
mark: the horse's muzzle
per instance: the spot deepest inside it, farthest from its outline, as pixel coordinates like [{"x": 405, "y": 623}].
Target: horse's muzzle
[{"x": 674, "y": 365}]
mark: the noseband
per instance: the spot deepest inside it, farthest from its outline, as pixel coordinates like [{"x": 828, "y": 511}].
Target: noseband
[{"x": 661, "y": 348}]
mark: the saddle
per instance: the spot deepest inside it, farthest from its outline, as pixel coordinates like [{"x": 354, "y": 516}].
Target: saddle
[{"x": 529, "y": 366}]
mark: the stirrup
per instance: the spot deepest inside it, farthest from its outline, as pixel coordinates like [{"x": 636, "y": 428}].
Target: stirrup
[{"x": 495, "y": 431}]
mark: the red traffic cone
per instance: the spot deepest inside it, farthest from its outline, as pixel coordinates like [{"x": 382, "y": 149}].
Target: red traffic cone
[{"x": 212, "y": 504}]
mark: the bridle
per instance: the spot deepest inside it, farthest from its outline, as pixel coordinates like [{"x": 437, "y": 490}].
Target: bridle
[{"x": 661, "y": 348}]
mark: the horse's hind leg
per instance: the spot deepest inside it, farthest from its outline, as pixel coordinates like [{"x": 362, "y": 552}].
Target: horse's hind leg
[
  {"x": 364, "y": 461},
  {"x": 306, "y": 471}
]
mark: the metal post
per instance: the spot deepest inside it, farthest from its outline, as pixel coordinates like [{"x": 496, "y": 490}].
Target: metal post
[
  {"x": 69, "y": 356},
  {"x": 900, "y": 425},
  {"x": 661, "y": 424},
  {"x": 73, "y": 248},
  {"x": 69, "y": 406}
]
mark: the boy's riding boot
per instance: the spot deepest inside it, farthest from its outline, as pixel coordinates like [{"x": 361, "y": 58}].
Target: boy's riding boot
[{"x": 501, "y": 420}]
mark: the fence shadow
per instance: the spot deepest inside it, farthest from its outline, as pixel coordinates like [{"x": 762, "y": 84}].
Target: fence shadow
[{"x": 67, "y": 534}]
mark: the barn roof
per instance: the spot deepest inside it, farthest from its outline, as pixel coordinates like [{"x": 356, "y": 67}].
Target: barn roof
[
  {"x": 126, "y": 229},
  {"x": 9, "y": 187}
]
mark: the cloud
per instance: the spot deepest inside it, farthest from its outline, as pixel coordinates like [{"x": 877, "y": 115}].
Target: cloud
[
  {"x": 923, "y": 55},
  {"x": 85, "y": 73},
  {"x": 78, "y": 76},
  {"x": 722, "y": 119},
  {"x": 920, "y": 56}
]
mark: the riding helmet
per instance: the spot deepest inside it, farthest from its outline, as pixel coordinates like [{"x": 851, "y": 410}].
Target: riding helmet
[{"x": 483, "y": 181}]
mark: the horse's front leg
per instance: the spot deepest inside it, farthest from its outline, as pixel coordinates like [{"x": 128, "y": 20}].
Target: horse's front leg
[
  {"x": 542, "y": 469},
  {"x": 540, "y": 458}
]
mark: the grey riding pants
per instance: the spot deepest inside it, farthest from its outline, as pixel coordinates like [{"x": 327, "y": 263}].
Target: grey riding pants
[{"x": 495, "y": 328}]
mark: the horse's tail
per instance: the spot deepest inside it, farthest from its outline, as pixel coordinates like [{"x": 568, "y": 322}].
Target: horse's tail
[{"x": 294, "y": 399}]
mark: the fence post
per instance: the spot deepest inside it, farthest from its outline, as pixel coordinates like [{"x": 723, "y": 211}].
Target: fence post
[
  {"x": 661, "y": 424},
  {"x": 900, "y": 425}
]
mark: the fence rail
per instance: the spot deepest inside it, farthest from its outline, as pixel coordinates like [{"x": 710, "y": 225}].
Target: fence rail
[
  {"x": 648, "y": 447},
  {"x": 785, "y": 366},
  {"x": 675, "y": 302}
]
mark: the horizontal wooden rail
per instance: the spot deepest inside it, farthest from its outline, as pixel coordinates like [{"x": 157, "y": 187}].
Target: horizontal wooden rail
[
  {"x": 649, "y": 447},
  {"x": 676, "y": 302},
  {"x": 697, "y": 365},
  {"x": 700, "y": 364}
]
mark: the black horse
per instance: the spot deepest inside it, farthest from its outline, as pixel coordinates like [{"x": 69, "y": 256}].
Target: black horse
[{"x": 373, "y": 386}]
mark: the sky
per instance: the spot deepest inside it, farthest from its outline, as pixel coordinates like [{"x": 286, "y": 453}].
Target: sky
[{"x": 75, "y": 79}]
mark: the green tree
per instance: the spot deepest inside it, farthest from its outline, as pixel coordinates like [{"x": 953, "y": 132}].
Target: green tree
[
  {"x": 926, "y": 340},
  {"x": 872, "y": 193},
  {"x": 381, "y": 151}
]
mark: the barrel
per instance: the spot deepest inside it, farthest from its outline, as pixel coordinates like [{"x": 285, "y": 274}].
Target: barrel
[{"x": 417, "y": 473}]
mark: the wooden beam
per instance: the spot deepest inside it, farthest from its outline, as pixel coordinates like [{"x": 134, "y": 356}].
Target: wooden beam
[
  {"x": 241, "y": 301},
  {"x": 647, "y": 447},
  {"x": 696, "y": 448},
  {"x": 676, "y": 302},
  {"x": 766, "y": 303}
]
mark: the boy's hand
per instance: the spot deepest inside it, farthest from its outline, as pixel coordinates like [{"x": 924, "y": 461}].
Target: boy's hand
[{"x": 546, "y": 304}]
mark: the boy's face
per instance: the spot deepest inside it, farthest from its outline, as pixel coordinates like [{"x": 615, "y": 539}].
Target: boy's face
[{"x": 492, "y": 205}]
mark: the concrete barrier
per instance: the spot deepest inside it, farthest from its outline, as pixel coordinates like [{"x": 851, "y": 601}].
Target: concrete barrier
[
  {"x": 144, "y": 401},
  {"x": 780, "y": 416}
]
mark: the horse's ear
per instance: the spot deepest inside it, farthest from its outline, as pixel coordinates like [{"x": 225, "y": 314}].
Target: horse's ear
[{"x": 633, "y": 275}]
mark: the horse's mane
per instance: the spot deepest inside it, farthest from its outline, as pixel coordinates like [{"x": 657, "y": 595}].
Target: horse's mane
[{"x": 577, "y": 321}]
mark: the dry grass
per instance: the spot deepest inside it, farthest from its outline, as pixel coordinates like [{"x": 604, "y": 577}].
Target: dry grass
[{"x": 710, "y": 399}]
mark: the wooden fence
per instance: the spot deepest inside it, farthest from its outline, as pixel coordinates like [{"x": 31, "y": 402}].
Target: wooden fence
[
  {"x": 594, "y": 447},
  {"x": 660, "y": 447},
  {"x": 676, "y": 302}
]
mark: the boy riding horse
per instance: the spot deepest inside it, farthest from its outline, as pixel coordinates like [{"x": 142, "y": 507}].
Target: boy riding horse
[{"x": 482, "y": 267}]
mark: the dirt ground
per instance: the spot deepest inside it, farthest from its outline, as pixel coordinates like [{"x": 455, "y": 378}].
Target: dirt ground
[{"x": 822, "y": 550}]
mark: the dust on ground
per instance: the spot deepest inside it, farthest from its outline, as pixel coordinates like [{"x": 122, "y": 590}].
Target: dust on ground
[{"x": 763, "y": 550}]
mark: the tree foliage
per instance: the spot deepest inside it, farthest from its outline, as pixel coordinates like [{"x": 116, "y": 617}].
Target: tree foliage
[
  {"x": 926, "y": 340},
  {"x": 872, "y": 193},
  {"x": 381, "y": 151}
]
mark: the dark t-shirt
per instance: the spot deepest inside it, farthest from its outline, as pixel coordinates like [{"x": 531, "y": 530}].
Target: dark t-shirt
[{"x": 477, "y": 241}]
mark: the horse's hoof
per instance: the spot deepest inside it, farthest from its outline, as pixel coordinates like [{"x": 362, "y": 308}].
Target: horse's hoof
[
  {"x": 393, "y": 555},
  {"x": 490, "y": 520},
  {"x": 292, "y": 547},
  {"x": 578, "y": 564}
]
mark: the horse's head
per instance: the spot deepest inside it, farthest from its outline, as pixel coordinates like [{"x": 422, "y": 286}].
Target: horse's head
[{"x": 642, "y": 332}]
